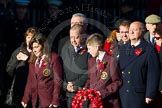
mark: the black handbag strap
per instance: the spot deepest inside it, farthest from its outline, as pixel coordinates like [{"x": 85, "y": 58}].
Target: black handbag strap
[{"x": 13, "y": 82}]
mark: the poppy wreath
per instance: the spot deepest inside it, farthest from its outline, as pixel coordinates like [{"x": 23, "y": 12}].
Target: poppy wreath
[{"x": 87, "y": 94}]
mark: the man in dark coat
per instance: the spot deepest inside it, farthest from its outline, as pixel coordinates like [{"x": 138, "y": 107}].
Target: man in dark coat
[
  {"x": 152, "y": 21},
  {"x": 140, "y": 68},
  {"x": 74, "y": 58},
  {"x": 77, "y": 18}
]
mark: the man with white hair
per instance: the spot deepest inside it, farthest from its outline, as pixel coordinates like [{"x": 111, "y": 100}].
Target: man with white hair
[
  {"x": 80, "y": 19},
  {"x": 140, "y": 73}
]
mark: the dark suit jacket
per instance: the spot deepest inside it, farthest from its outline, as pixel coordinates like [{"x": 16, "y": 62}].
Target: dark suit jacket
[
  {"x": 20, "y": 69},
  {"x": 140, "y": 74},
  {"x": 160, "y": 55},
  {"x": 108, "y": 87},
  {"x": 46, "y": 88},
  {"x": 147, "y": 36},
  {"x": 75, "y": 67}
]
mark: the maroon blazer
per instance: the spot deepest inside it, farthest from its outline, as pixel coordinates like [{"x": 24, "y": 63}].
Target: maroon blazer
[
  {"x": 107, "y": 80},
  {"x": 46, "y": 86}
]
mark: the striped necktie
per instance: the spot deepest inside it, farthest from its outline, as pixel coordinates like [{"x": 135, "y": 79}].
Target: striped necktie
[
  {"x": 37, "y": 65},
  {"x": 77, "y": 49}
]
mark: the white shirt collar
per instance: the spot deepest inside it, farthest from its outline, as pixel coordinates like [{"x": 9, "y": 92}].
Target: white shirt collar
[
  {"x": 100, "y": 57},
  {"x": 137, "y": 43},
  {"x": 75, "y": 48},
  {"x": 42, "y": 57},
  {"x": 151, "y": 36}
]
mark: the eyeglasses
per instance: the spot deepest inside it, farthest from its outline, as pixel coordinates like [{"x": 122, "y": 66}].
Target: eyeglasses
[{"x": 157, "y": 38}]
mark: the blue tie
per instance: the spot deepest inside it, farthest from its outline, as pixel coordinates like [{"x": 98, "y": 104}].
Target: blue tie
[{"x": 77, "y": 49}]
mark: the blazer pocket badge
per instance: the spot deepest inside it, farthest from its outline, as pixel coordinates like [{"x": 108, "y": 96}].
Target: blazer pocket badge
[
  {"x": 46, "y": 72},
  {"x": 104, "y": 75}
]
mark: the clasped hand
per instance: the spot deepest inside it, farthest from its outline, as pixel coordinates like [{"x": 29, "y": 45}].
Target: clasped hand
[
  {"x": 22, "y": 56},
  {"x": 70, "y": 87}
]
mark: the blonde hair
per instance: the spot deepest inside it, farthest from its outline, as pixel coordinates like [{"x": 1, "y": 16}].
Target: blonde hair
[
  {"x": 95, "y": 39},
  {"x": 112, "y": 36}
]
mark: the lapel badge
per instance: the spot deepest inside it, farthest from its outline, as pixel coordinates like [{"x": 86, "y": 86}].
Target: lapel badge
[
  {"x": 104, "y": 75},
  {"x": 46, "y": 72}
]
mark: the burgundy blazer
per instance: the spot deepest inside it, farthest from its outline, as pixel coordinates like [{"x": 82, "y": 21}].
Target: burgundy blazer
[
  {"x": 108, "y": 86},
  {"x": 47, "y": 87}
]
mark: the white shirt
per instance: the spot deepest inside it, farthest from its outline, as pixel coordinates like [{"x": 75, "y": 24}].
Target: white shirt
[
  {"x": 42, "y": 57},
  {"x": 76, "y": 49},
  {"x": 100, "y": 57},
  {"x": 137, "y": 43}
]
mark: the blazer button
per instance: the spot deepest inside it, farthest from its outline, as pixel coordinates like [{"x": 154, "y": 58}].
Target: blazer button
[
  {"x": 127, "y": 90},
  {"x": 122, "y": 72},
  {"x": 128, "y": 81},
  {"x": 129, "y": 72}
]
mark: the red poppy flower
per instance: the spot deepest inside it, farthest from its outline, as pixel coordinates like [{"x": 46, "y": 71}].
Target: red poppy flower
[
  {"x": 44, "y": 62},
  {"x": 138, "y": 51},
  {"x": 102, "y": 65},
  {"x": 110, "y": 52},
  {"x": 82, "y": 51}
]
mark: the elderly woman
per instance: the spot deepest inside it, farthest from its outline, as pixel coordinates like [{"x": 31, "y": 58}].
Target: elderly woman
[{"x": 18, "y": 65}]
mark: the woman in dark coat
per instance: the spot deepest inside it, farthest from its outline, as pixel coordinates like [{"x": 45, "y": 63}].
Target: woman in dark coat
[
  {"x": 158, "y": 44},
  {"x": 45, "y": 76},
  {"x": 17, "y": 66}
]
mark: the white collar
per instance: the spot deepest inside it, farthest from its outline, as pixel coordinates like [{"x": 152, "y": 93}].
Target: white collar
[
  {"x": 100, "y": 57},
  {"x": 137, "y": 43},
  {"x": 151, "y": 36},
  {"x": 42, "y": 57},
  {"x": 80, "y": 47}
]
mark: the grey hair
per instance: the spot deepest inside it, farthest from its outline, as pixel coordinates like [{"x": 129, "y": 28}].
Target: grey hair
[{"x": 85, "y": 20}]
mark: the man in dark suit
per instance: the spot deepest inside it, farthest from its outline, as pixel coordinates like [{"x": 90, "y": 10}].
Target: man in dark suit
[
  {"x": 74, "y": 58},
  {"x": 77, "y": 18},
  {"x": 152, "y": 21},
  {"x": 140, "y": 68}
]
